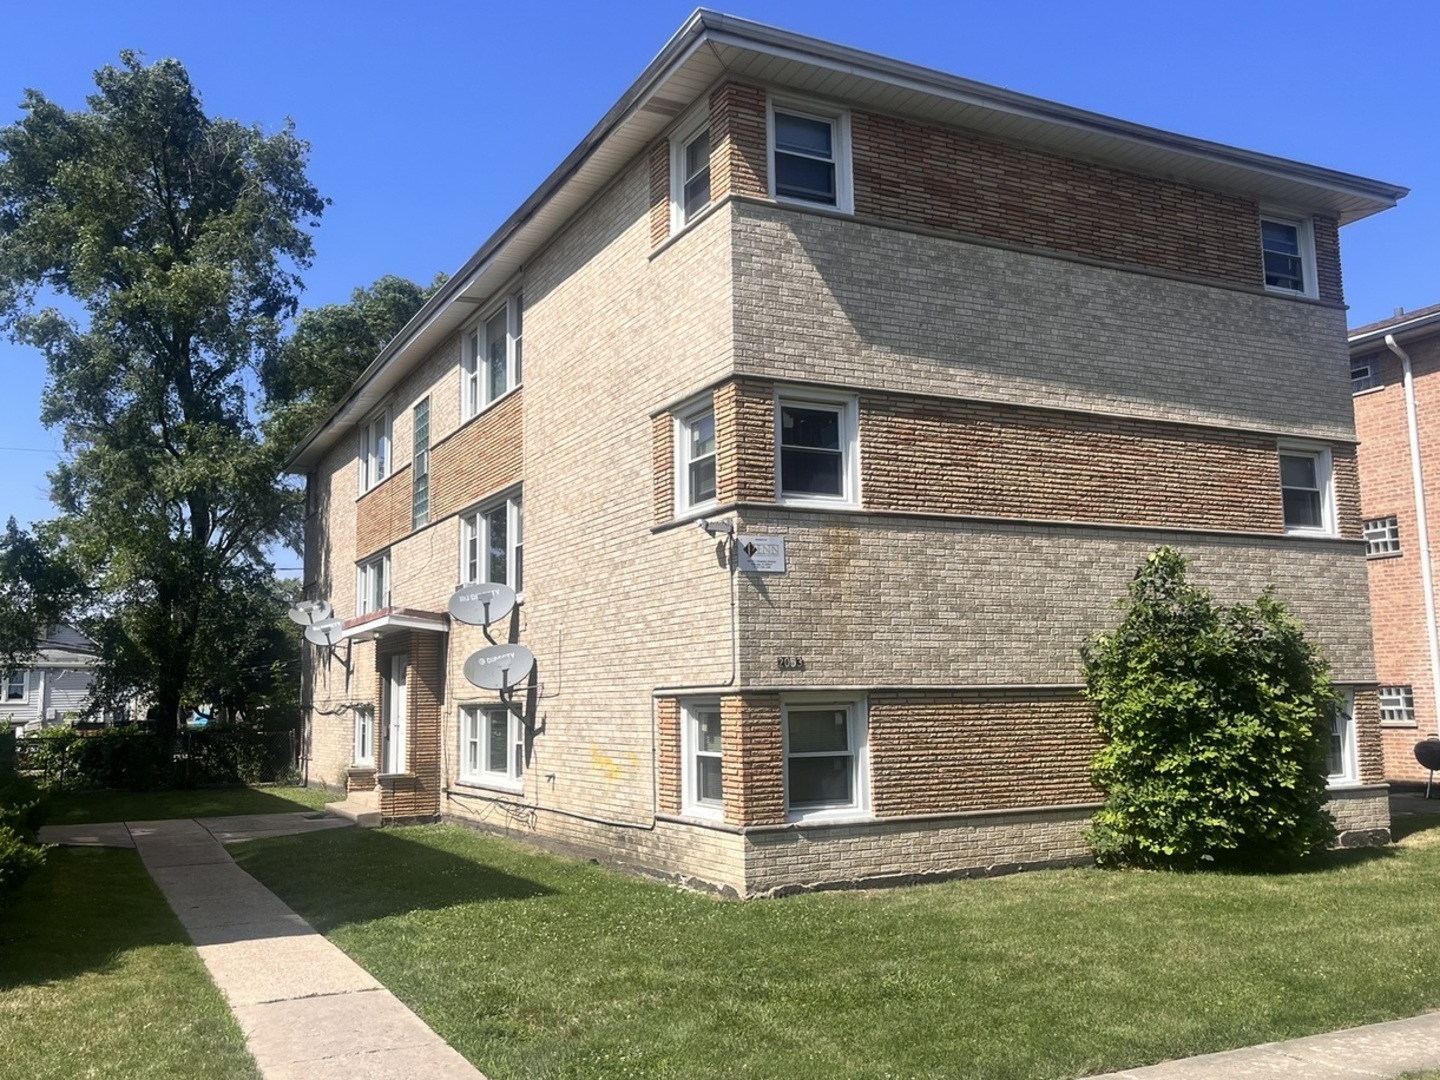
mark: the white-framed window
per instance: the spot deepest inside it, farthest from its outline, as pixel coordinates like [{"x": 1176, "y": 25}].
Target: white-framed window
[
  {"x": 17, "y": 686},
  {"x": 374, "y": 450},
  {"x": 1288, "y": 247},
  {"x": 1308, "y": 506},
  {"x": 695, "y": 454},
  {"x": 817, "y": 459},
  {"x": 1382, "y": 536},
  {"x": 1341, "y": 766},
  {"x": 365, "y": 735},
  {"x": 420, "y": 465},
  {"x": 491, "y": 356},
  {"x": 492, "y": 543},
  {"x": 690, "y": 170},
  {"x": 1397, "y": 706},
  {"x": 702, "y": 782},
  {"x": 492, "y": 747},
  {"x": 825, "y": 758},
  {"x": 809, "y": 152},
  {"x": 372, "y": 584},
  {"x": 1364, "y": 374}
]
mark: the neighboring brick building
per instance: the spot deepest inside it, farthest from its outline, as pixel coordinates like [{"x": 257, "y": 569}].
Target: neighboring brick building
[
  {"x": 968, "y": 354},
  {"x": 1392, "y": 453}
]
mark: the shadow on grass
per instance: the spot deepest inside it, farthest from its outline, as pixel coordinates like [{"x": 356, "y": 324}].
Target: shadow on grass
[
  {"x": 358, "y": 875},
  {"x": 1403, "y": 825},
  {"x": 90, "y": 807},
  {"x": 79, "y": 913}
]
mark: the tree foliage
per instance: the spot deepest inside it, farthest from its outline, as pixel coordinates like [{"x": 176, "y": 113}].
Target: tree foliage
[
  {"x": 40, "y": 587},
  {"x": 331, "y": 346},
  {"x": 175, "y": 241},
  {"x": 1215, "y": 726}
]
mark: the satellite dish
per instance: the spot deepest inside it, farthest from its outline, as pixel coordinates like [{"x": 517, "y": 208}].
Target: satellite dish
[
  {"x": 326, "y": 632},
  {"x": 499, "y": 667},
  {"x": 481, "y": 605},
  {"x": 310, "y": 612}
]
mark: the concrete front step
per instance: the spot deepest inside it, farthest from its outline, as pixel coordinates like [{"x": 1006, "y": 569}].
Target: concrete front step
[{"x": 362, "y": 811}]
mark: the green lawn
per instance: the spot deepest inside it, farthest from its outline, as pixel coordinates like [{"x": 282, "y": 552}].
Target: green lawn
[
  {"x": 97, "y": 979},
  {"x": 536, "y": 966},
  {"x": 88, "y": 807}
]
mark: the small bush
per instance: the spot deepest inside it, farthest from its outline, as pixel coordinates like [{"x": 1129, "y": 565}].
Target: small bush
[
  {"x": 1214, "y": 724},
  {"x": 22, "y": 810}
]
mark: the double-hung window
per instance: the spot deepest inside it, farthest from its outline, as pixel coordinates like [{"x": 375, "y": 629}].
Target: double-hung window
[
  {"x": 816, "y": 454},
  {"x": 365, "y": 735},
  {"x": 1382, "y": 536},
  {"x": 492, "y": 747},
  {"x": 491, "y": 356},
  {"x": 492, "y": 544},
  {"x": 810, "y": 155},
  {"x": 695, "y": 471},
  {"x": 374, "y": 450},
  {"x": 17, "y": 685},
  {"x": 372, "y": 585},
  {"x": 1305, "y": 490},
  {"x": 420, "y": 466},
  {"x": 1288, "y": 249},
  {"x": 825, "y": 773},
  {"x": 1340, "y": 763},
  {"x": 689, "y": 171},
  {"x": 703, "y": 781},
  {"x": 1397, "y": 706}
]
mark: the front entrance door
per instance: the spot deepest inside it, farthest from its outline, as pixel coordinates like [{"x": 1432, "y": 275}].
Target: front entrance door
[{"x": 395, "y": 714}]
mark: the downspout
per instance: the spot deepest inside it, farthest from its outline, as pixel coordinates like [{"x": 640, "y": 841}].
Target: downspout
[{"x": 1422, "y": 529}]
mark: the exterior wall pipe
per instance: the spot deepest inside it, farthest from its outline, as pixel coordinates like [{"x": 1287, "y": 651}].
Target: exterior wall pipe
[{"x": 1422, "y": 528}]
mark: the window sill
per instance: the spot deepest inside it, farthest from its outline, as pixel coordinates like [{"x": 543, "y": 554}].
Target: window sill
[
  {"x": 516, "y": 787},
  {"x": 1381, "y": 556},
  {"x": 1400, "y": 725},
  {"x": 817, "y": 502},
  {"x": 1367, "y": 390},
  {"x": 820, "y": 208},
  {"x": 840, "y": 815},
  {"x": 1294, "y": 294},
  {"x": 1333, "y": 784},
  {"x": 707, "y": 814},
  {"x": 1316, "y": 534}
]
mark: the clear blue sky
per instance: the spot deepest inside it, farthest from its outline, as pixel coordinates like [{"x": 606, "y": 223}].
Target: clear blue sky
[{"x": 429, "y": 123}]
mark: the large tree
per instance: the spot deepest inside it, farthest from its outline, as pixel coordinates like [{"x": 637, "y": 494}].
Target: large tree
[
  {"x": 330, "y": 347},
  {"x": 174, "y": 241}
]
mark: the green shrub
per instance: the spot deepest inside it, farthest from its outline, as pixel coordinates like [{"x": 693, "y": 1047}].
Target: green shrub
[
  {"x": 1215, "y": 725},
  {"x": 22, "y": 810}
]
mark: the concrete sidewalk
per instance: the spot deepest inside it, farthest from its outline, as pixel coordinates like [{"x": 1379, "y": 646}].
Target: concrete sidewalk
[
  {"x": 1364, "y": 1053},
  {"x": 308, "y": 1011}
]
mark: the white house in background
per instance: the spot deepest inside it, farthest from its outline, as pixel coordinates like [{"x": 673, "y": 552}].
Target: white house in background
[{"x": 54, "y": 686}]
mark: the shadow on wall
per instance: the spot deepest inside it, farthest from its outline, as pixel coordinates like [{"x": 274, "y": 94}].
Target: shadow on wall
[{"x": 357, "y": 875}]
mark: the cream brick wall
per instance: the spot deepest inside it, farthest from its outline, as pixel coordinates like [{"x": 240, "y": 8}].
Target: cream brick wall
[
  {"x": 874, "y": 601},
  {"x": 1362, "y": 815},
  {"x": 613, "y": 332},
  {"x": 832, "y": 856},
  {"x": 821, "y": 298}
]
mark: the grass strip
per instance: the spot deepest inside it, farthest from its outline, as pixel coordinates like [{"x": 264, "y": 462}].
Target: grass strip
[
  {"x": 97, "y": 979},
  {"x": 89, "y": 807},
  {"x": 535, "y": 966}
]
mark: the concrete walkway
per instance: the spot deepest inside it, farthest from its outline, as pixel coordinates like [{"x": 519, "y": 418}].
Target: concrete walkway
[
  {"x": 308, "y": 1011},
  {"x": 1379, "y": 1050}
]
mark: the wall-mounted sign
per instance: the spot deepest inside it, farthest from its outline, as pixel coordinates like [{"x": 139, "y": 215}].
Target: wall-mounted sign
[
  {"x": 310, "y": 612},
  {"x": 762, "y": 554},
  {"x": 481, "y": 605},
  {"x": 499, "y": 667},
  {"x": 324, "y": 633}
]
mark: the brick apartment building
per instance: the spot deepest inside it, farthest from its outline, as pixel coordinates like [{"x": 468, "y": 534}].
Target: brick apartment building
[
  {"x": 932, "y": 365},
  {"x": 1395, "y": 377}
]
